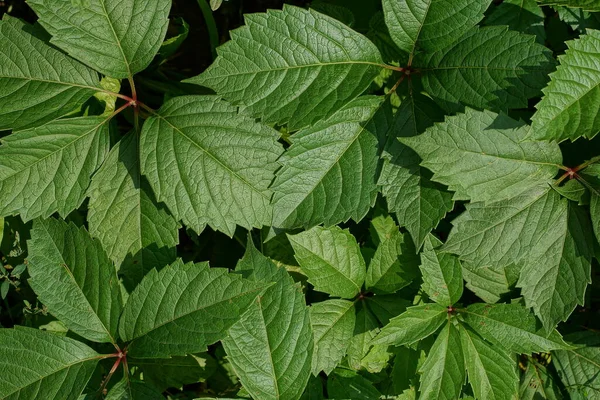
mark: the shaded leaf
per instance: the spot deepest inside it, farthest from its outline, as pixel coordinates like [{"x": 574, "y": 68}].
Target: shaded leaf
[
  {"x": 416, "y": 323},
  {"x": 442, "y": 274}
]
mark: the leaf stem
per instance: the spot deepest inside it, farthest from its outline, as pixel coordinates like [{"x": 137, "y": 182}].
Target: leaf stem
[
  {"x": 211, "y": 26},
  {"x": 587, "y": 163}
]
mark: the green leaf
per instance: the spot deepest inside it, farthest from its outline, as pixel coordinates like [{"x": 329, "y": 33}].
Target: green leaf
[
  {"x": 588, "y": 5},
  {"x": 511, "y": 326},
  {"x": 333, "y": 324},
  {"x": 413, "y": 325},
  {"x": 344, "y": 384},
  {"x": 442, "y": 274},
  {"x": 444, "y": 370},
  {"x": 331, "y": 259},
  {"x": 73, "y": 277},
  {"x": 124, "y": 216},
  {"x": 364, "y": 331},
  {"x": 557, "y": 272},
  {"x": 572, "y": 98},
  {"x": 271, "y": 346},
  {"x": 129, "y": 389},
  {"x": 572, "y": 190},
  {"x": 116, "y": 37},
  {"x": 418, "y": 203},
  {"x": 47, "y": 169},
  {"x": 492, "y": 372},
  {"x": 481, "y": 156},
  {"x": 488, "y": 283},
  {"x": 210, "y": 165},
  {"x": 431, "y": 25},
  {"x": 490, "y": 67},
  {"x": 292, "y": 66},
  {"x": 170, "y": 46},
  {"x": 184, "y": 308},
  {"x": 329, "y": 173},
  {"x": 35, "y": 362},
  {"x": 314, "y": 389},
  {"x": 385, "y": 307},
  {"x": 393, "y": 266},
  {"x": 524, "y": 16},
  {"x": 37, "y": 82},
  {"x": 176, "y": 371},
  {"x": 538, "y": 384},
  {"x": 578, "y": 368}
]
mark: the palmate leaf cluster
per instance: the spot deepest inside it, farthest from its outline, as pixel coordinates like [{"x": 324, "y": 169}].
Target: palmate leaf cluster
[{"x": 411, "y": 230}]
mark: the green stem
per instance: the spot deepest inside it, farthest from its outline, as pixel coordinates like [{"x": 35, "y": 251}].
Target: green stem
[
  {"x": 211, "y": 25},
  {"x": 587, "y": 164}
]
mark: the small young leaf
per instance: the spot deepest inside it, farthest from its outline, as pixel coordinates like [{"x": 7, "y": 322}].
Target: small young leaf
[
  {"x": 492, "y": 371},
  {"x": 333, "y": 324},
  {"x": 331, "y": 259},
  {"x": 34, "y": 362},
  {"x": 444, "y": 370},
  {"x": 415, "y": 324},
  {"x": 209, "y": 164},
  {"x": 572, "y": 99},
  {"x": 481, "y": 156},
  {"x": 37, "y": 82},
  {"x": 488, "y": 67},
  {"x": 184, "y": 307},
  {"x": 74, "y": 278},
  {"x": 116, "y": 37},
  {"x": 431, "y": 24},
  {"x": 442, "y": 274},
  {"x": 538, "y": 384},
  {"x": 47, "y": 169},
  {"x": 511, "y": 326},
  {"x": 292, "y": 66},
  {"x": 329, "y": 173},
  {"x": 4, "y": 289}
]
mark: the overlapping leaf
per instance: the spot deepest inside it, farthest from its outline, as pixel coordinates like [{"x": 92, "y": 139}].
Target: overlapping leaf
[
  {"x": 538, "y": 384},
  {"x": 415, "y": 324},
  {"x": 490, "y": 67},
  {"x": 37, "y": 82},
  {"x": 124, "y": 216},
  {"x": 62, "y": 366},
  {"x": 292, "y": 65},
  {"x": 442, "y": 274},
  {"x": 482, "y": 156},
  {"x": 116, "y": 37},
  {"x": 184, "y": 308},
  {"x": 524, "y": 16},
  {"x": 73, "y": 277},
  {"x": 210, "y": 165},
  {"x": 418, "y": 203},
  {"x": 578, "y": 368},
  {"x": 588, "y": 5},
  {"x": 130, "y": 389},
  {"x": 329, "y": 173},
  {"x": 331, "y": 259},
  {"x": 47, "y": 169},
  {"x": 430, "y": 24},
  {"x": 571, "y": 101}
]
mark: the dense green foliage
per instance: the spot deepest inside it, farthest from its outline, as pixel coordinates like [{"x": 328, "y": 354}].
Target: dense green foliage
[{"x": 395, "y": 199}]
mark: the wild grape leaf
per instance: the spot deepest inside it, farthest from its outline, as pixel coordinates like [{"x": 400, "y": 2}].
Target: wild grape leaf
[
  {"x": 130, "y": 389},
  {"x": 442, "y": 274},
  {"x": 524, "y": 16},
  {"x": 443, "y": 373},
  {"x": 37, "y": 82},
  {"x": 492, "y": 371},
  {"x": 314, "y": 389},
  {"x": 331, "y": 259},
  {"x": 490, "y": 67},
  {"x": 116, "y": 37},
  {"x": 511, "y": 326},
  {"x": 488, "y": 283},
  {"x": 505, "y": 232},
  {"x": 588, "y": 5},
  {"x": 164, "y": 373},
  {"x": 73, "y": 277},
  {"x": 418, "y": 203},
  {"x": 124, "y": 216},
  {"x": 210, "y": 165},
  {"x": 377, "y": 359},
  {"x": 329, "y": 173},
  {"x": 292, "y": 66},
  {"x": 387, "y": 306},
  {"x": 364, "y": 330},
  {"x": 571, "y": 101},
  {"x": 578, "y": 368},
  {"x": 431, "y": 25},
  {"x": 35, "y": 362},
  {"x": 47, "y": 169},
  {"x": 413, "y": 325},
  {"x": 538, "y": 384},
  {"x": 573, "y": 190},
  {"x": 406, "y": 364},
  {"x": 591, "y": 175},
  {"x": 481, "y": 156},
  {"x": 578, "y": 19},
  {"x": 333, "y": 326},
  {"x": 556, "y": 274},
  {"x": 271, "y": 346},
  {"x": 184, "y": 308},
  {"x": 345, "y": 384}
]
